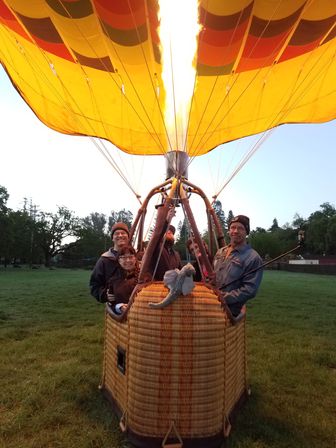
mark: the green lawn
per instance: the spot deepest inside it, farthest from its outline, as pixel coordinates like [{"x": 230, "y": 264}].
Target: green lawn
[{"x": 51, "y": 362}]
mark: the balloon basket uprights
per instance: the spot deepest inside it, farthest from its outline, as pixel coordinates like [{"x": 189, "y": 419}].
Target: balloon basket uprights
[
  {"x": 175, "y": 376},
  {"x": 176, "y": 191}
]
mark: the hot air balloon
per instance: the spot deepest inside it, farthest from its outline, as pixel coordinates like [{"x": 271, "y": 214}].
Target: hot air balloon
[{"x": 119, "y": 71}]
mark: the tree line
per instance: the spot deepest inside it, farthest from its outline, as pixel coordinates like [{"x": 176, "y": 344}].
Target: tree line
[
  {"x": 319, "y": 228},
  {"x": 34, "y": 237}
]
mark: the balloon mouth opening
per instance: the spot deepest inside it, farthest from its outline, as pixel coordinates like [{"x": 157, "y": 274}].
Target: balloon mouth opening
[{"x": 177, "y": 163}]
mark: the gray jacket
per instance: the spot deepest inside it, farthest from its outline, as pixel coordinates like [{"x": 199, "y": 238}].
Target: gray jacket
[{"x": 229, "y": 267}]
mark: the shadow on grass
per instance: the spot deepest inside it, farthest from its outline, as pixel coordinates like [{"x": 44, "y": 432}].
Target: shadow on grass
[
  {"x": 253, "y": 427},
  {"x": 99, "y": 412}
]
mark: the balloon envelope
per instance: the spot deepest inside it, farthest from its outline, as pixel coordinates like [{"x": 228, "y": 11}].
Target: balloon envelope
[{"x": 93, "y": 67}]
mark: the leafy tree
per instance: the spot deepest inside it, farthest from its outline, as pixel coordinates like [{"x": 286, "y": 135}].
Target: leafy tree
[
  {"x": 275, "y": 226},
  {"x": 27, "y": 235},
  {"x": 267, "y": 244},
  {"x": 299, "y": 222},
  {"x": 123, "y": 215},
  {"x": 3, "y": 199},
  {"x": 288, "y": 238},
  {"x": 320, "y": 230},
  {"x": 4, "y": 225},
  {"x": 331, "y": 236},
  {"x": 20, "y": 236},
  {"x": 217, "y": 206},
  {"x": 30, "y": 210},
  {"x": 5, "y": 239},
  {"x": 96, "y": 222},
  {"x": 52, "y": 229},
  {"x": 229, "y": 218},
  {"x": 181, "y": 241},
  {"x": 328, "y": 210},
  {"x": 92, "y": 239},
  {"x": 16, "y": 229},
  {"x": 260, "y": 230}
]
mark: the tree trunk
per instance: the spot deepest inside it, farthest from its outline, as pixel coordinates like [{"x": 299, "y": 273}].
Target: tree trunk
[{"x": 47, "y": 260}]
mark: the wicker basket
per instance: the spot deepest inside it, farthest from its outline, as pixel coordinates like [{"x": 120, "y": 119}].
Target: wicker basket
[{"x": 175, "y": 373}]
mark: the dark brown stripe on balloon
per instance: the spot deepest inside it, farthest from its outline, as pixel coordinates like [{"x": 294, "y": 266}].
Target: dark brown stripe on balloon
[
  {"x": 43, "y": 28},
  {"x": 76, "y": 10},
  {"x": 207, "y": 70},
  {"x": 157, "y": 53},
  {"x": 271, "y": 28},
  {"x": 310, "y": 31},
  {"x": 331, "y": 35},
  {"x": 97, "y": 63},
  {"x": 127, "y": 38},
  {"x": 221, "y": 23}
]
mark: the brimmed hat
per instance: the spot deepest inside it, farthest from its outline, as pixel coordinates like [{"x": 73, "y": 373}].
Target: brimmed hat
[
  {"x": 243, "y": 220},
  {"x": 119, "y": 226}
]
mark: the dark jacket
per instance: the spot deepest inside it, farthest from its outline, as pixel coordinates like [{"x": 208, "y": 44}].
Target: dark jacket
[
  {"x": 170, "y": 259},
  {"x": 122, "y": 284},
  {"x": 106, "y": 266},
  {"x": 198, "y": 275}
]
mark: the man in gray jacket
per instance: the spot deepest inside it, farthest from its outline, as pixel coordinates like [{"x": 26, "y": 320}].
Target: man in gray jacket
[
  {"x": 107, "y": 264},
  {"x": 237, "y": 267}
]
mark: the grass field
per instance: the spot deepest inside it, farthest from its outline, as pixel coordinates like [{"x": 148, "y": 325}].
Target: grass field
[{"x": 51, "y": 362}]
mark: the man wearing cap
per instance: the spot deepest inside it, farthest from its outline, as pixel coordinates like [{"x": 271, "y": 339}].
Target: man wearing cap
[
  {"x": 169, "y": 259},
  {"x": 107, "y": 264},
  {"x": 236, "y": 266}
]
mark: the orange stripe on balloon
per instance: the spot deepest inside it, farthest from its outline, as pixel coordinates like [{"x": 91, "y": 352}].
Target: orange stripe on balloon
[
  {"x": 257, "y": 48},
  {"x": 120, "y": 19},
  {"x": 58, "y": 49},
  {"x": 292, "y": 51},
  {"x": 217, "y": 56},
  {"x": 9, "y": 20},
  {"x": 222, "y": 38},
  {"x": 120, "y": 7}
]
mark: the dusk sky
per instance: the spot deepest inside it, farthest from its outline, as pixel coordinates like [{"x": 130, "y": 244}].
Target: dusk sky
[{"x": 294, "y": 171}]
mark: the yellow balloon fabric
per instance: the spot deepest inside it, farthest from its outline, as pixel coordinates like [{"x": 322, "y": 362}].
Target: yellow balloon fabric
[{"x": 93, "y": 67}]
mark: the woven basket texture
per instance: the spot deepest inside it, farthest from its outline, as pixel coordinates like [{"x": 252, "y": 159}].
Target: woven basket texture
[
  {"x": 114, "y": 380},
  {"x": 184, "y": 363}
]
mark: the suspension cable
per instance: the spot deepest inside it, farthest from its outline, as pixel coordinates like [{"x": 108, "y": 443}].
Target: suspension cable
[
  {"x": 46, "y": 81},
  {"x": 281, "y": 114}
]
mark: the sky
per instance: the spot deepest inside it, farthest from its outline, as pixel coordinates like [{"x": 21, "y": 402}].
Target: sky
[{"x": 292, "y": 172}]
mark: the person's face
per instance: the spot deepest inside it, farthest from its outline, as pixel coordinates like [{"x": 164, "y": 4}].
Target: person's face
[
  {"x": 120, "y": 239},
  {"x": 127, "y": 262},
  {"x": 170, "y": 236},
  {"x": 194, "y": 249},
  {"x": 237, "y": 234}
]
